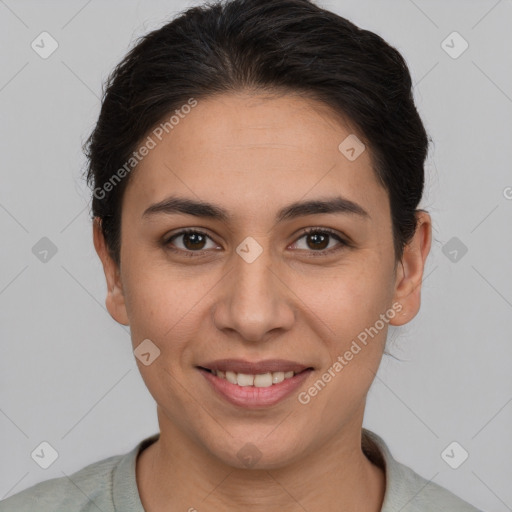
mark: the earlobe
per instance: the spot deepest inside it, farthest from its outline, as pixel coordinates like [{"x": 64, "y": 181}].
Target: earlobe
[
  {"x": 115, "y": 300},
  {"x": 410, "y": 271}
]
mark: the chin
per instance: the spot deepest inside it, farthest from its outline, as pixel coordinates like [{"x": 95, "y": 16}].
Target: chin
[{"x": 257, "y": 452}]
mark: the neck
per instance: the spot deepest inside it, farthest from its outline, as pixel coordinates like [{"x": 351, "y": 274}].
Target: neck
[{"x": 177, "y": 473}]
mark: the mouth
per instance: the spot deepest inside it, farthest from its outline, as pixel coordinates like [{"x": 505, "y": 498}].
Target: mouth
[
  {"x": 258, "y": 380},
  {"x": 254, "y": 385}
]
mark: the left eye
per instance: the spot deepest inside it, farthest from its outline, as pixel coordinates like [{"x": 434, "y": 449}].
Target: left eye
[{"x": 318, "y": 240}]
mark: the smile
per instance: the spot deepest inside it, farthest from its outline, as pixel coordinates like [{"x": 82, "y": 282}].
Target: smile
[
  {"x": 260, "y": 380},
  {"x": 256, "y": 389}
]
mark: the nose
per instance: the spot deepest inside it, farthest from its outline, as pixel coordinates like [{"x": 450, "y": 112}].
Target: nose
[{"x": 254, "y": 300}]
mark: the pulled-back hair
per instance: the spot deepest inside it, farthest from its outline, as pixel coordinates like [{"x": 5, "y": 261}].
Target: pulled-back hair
[{"x": 270, "y": 46}]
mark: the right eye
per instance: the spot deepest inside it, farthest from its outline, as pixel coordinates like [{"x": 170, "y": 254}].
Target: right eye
[{"x": 192, "y": 241}]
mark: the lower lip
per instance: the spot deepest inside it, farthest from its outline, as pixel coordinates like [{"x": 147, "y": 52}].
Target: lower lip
[{"x": 251, "y": 396}]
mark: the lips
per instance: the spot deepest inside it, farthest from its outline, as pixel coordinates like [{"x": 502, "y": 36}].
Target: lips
[{"x": 254, "y": 384}]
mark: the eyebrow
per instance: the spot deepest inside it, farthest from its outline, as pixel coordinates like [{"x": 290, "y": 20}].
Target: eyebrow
[{"x": 174, "y": 204}]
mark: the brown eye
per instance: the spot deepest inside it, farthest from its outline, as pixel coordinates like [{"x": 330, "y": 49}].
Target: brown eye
[
  {"x": 320, "y": 241},
  {"x": 189, "y": 241},
  {"x": 193, "y": 241}
]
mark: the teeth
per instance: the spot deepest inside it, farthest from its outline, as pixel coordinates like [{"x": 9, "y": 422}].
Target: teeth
[
  {"x": 261, "y": 380},
  {"x": 243, "y": 379},
  {"x": 277, "y": 377},
  {"x": 230, "y": 376}
]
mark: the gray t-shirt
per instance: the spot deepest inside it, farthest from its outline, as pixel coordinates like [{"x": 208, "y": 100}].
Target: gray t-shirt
[{"x": 109, "y": 485}]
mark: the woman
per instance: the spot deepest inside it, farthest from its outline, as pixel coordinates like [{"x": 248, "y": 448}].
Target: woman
[{"x": 256, "y": 171}]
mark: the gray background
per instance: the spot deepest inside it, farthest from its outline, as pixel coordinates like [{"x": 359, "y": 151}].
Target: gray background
[{"x": 67, "y": 373}]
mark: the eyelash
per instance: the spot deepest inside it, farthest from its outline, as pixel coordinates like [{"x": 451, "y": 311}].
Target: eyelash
[{"x": 190, "y": 254}]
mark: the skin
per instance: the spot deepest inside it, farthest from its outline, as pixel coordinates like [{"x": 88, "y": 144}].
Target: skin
[{"x": 252, "y": 155}]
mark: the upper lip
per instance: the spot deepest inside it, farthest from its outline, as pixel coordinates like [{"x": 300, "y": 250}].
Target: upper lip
[{"x": 252, "y": 368}]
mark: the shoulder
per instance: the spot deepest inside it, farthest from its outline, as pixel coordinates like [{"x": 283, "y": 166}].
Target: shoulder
[
  {"x": 406, "y": 490},
  {"x": 417, "y": 494},
  {"x": 89, "y": 489}
]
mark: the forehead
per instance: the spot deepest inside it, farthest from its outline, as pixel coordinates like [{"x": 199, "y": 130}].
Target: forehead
[{"x": 247, "y": 150}]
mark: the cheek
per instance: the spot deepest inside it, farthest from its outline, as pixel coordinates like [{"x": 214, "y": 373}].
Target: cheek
[
  {"x": 350, "y": 297},
  {"x": 162, "y": 304},
  {"x": 348, "y": 309},
  {"x": 355, "y": 340}
]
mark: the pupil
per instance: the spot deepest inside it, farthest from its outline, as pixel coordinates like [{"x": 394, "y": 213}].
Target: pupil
[
  {"x": 316, "y": 237},
  {"x": 194, "y": 239}
]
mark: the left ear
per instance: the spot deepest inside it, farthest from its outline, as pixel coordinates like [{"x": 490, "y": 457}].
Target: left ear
[{"x": 410, "y": 271}]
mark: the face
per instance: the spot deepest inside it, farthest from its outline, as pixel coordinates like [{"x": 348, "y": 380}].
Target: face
[{"x": 254, "y": 279}]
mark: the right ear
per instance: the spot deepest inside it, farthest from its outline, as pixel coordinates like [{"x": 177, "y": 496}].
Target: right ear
[{"x": 115, "y": 300}]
